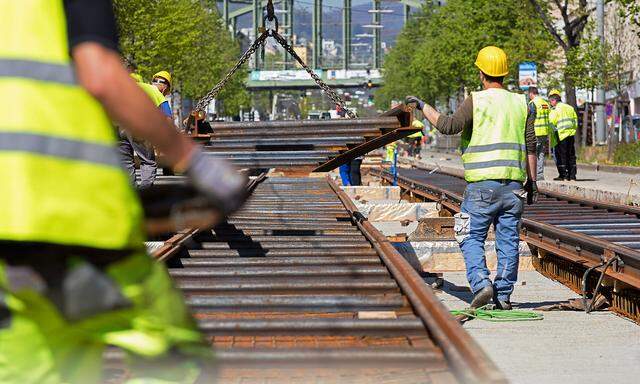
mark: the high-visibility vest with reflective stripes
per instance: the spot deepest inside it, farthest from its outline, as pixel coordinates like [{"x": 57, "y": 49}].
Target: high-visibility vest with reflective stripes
[
  {"x": 494, "y": 148},
  {"x": 542, "y": 116},
  {"x": 564, "y": 120},
  {"x": 62, "y": 181}
]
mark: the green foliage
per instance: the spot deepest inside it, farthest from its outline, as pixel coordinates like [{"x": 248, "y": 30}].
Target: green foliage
[
  {"x": 435, "y": 53},
  {"x": 594, "y": 64},
  {"x": 185, "y": 37},
  {"x": 627, "y": 154},
  {"x": 631, "y": 9}
]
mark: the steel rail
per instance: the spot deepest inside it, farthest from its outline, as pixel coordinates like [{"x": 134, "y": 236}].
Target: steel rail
[
  {"x": 307, "y": 285},
  {"x": 544, "y": 231}
]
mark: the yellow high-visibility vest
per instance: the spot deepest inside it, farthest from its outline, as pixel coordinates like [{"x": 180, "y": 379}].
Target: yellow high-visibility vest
[
  {"x": 495, "y": 146},
  {"x": 564, "y": 120},
  {"x": 62, "y": 178},
  {"x": 542, "y": 116}
]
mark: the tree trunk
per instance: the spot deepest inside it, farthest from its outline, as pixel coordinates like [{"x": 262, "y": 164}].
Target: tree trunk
[{"x": 570, "y": 91}]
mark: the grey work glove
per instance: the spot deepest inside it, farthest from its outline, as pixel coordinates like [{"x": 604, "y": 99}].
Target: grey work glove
[
  {"x": 417, "y": 101},
  {"x": 218, "y": 181},
  {"x": 532, "y": 191}
]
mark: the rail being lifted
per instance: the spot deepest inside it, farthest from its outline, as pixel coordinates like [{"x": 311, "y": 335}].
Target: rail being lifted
[
  {"x": 569, "y": 235},
  {"x": 317, "y": 145},
  {"x": 299, "y": 286}
]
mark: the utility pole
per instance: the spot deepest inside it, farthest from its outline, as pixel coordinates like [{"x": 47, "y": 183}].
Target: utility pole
[
  {"x": 316, "y": 57},
  {"x": 287, "y": 10},
  {"x": 601, "y": 135},
  {"x": 407, "y": 11},
  {"x": 225, "y": 13},
  {"x": 376, "y": 34},
  {"x": 346, "y": 34},
  {"x": 257, "y": 14}
]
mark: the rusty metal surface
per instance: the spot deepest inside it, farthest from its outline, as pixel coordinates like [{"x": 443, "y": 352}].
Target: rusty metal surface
[
  {"x": 581, "y": 232},
  {"x": 317, "y": 294},
  {"x": 314, "y": 145}
]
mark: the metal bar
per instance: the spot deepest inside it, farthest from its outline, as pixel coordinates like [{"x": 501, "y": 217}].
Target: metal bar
[
  {"x": 305, "y": 326},
  {"x": 471, "y": 363}
]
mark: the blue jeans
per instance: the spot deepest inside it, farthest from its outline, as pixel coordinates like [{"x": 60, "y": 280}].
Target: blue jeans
[
  {"x": 485, "y": 203},
  {"x": 345, "y": 174}
]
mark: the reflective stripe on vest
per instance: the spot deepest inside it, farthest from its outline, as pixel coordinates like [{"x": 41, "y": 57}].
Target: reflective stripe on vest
[
  {"x": 495, "y": 146},
  {"x": 35, "y": 70},
  {"x": 63, "y": 181},
  {"x": 564, "y": 120},
  {"x": 542, "y": 116},
  {"x": 59, "y": 147}
]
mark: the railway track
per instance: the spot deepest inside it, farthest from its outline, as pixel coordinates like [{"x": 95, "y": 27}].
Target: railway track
[
  {"x": 299, "y": 287},
  {"x": 568, "y": 235}
]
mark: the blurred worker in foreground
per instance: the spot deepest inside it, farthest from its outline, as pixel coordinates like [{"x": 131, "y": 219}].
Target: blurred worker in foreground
[
  {"x": 543, "y": 131},
  {"x": 499, "y": 150},
  {"x": 564, "y": 121},
  {"x": 128, "y": 144},
  {"x": 416, "y": 139},
  {"x": 74, "y": 274}
]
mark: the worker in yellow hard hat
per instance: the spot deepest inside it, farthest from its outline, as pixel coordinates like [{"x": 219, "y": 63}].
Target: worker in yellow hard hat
[
  {"x": 162, "y": 81},
  {"x": 498, "y": 154},
  {"x": 415, "y": 139},
  {"x": 541, "y": 108},
  {"x": 564, "y": 121}
]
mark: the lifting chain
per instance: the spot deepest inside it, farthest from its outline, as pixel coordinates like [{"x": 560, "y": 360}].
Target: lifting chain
[{"x": 260, "y": 41}]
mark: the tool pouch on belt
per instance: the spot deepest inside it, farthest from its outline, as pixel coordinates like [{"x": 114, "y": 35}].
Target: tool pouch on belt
[{"x": 461, "y": 226}]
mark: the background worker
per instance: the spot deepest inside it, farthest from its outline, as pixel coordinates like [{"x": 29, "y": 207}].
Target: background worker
[
  {"x": 74, "y": 273},
  {"x": 564, "y": 120},
  {"x": 162, "y": 81},
  {"x": 543, "y": 132},
  {"x": 416, "y": 139},
  {"x": 499, "y": 151},
  {"x": 128, "y": 144}
]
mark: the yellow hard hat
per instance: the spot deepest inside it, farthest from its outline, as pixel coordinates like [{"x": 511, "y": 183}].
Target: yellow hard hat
[
  {"x": 165, "y": 75},
  {"x": 417, "y": 124},
  {"x": 492, "y": 61},
  {"x": 555, "y": 92}
]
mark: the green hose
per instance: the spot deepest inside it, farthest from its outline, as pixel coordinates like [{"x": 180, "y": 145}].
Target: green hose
[{"x": 497, "y": 315}]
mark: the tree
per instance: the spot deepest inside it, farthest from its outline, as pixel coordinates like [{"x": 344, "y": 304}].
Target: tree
[
  {"x": 574, "y": 15},
  {"x": 630, "y": 9},
  {"x": 435, "y": 53},
  {"x": 185, "y": 37}
]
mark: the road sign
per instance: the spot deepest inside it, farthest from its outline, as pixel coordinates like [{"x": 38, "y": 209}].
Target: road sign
[{"x": 528, "y": 75}]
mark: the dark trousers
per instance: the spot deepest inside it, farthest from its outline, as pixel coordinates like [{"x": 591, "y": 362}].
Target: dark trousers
[
  {"x": 148, "y": 166},
  {"x": 566, "y": 158},
  {"x": 354, "y": 172}
]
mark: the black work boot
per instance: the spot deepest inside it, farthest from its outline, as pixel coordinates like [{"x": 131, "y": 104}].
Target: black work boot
[
  {"x": 562, "y": 173},
  {"x": 483, "y": 297},
  {"x": 573, "y": 169}
]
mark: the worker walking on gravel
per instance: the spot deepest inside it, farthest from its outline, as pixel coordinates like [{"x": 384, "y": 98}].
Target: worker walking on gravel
[
  {"x": 564, "y": 120},
  {"x": 499, "y": 151},
  {"x": 74, "y": 274},
  {"x": 543, "y": 130}
]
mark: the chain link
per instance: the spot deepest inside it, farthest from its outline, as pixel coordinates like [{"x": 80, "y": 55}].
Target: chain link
[
  {"x": 202, "y": 104},
  {"x": 252, "y": 49},
  {"x": 325, "y": 88}
]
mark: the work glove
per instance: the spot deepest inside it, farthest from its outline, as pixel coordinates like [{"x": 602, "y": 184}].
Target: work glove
[
  {"x": 218, "y": 181},
  {"x": 214, "y": 190},
  {"x": 532, "y": 191},
  {"x": 413, "y": 99}
]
